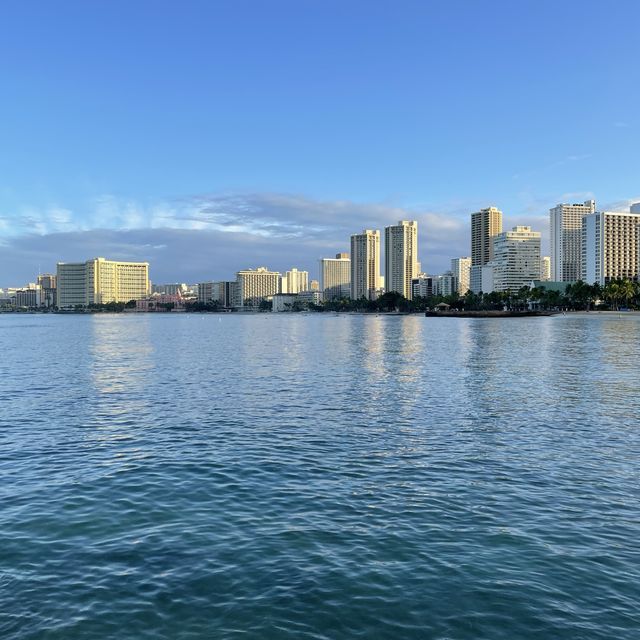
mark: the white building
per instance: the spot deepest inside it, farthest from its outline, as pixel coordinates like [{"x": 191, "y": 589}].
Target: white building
[
  {"x": 517, "y": 258},
  {"x": 461, "y": 267},
  {"x": 335, "y": 277},
  {"x": 294, "y": 281},
  {"x": 401, "y": 263},
  {"x": 365, "y": 265},
  {"x": 610, "y": 246},
  {"x": 565, "y": 222},
  {"x": 101, "y": 281},
  {"x": 255, "y": 285}
]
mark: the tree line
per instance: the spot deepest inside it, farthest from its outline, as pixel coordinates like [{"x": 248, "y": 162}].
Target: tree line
[{"x": 579, "y": 296}]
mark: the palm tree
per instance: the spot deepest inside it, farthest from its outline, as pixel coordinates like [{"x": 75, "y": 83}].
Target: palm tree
[
  {"x": 626, "y": 291},
  {"x": 612, "y": 293}
]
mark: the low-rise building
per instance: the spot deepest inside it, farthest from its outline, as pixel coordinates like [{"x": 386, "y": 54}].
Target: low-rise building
[
  {"x": 422, "y": 286},
  {"x": 161, "y": 302},
  {"x": 283, "y": 302}
]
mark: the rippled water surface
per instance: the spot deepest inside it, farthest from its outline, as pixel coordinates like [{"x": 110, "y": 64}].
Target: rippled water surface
[{"x": 319, "y": 476}]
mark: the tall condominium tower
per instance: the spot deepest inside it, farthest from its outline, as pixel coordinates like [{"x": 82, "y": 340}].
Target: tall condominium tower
[
  {"x": 401, "y": 256},
  {"x": 294, "y": 281},
  {"x": 565, "y": 222},
  {"x": 335, "y": 277},
  {"x": 485, "y": 225},
  {"x": 610, "y": 246},
  {"x": 100, "y": 281},
  {"x": 365, "y": 264},
  {"x": 516, "y": 259},
  {"x": 460, "y": 267}
]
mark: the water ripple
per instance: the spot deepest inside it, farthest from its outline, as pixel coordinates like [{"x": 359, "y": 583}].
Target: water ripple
[{"x": 319, "y": 478}]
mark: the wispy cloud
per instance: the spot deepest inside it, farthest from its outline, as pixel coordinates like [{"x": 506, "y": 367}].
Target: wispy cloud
[{"x": 554, "y": 165}]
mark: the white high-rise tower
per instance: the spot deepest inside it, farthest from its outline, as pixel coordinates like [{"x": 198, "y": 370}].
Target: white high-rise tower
[{"x": 565, "y": 235}]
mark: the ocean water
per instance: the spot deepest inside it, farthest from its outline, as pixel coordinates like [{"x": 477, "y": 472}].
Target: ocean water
[{"x": 319, "y": 477}]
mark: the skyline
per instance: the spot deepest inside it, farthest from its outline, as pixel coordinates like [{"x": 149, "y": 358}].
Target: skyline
[{"x": 208, "y": 139}]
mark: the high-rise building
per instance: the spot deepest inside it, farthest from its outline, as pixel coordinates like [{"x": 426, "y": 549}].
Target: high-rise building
[
  {"x": 545, "y": 268},
  {"x": 610, "y": 246},
  {"x": 401, "y": 263},
  {"x": 365, "y": 264},
  {"x": 460, "y": 267},
  {"x": 294, "y": 281},
  {"x": 516, "y": 259},
  {"x": 335, "y": 277},
  {"x": 565, "y": 222},
  {"x": 101, "y": 281},
  {"x": 635, "y": 208},
  {"x": 255, "y": 285},
  {"x": 485, "y": 225}
]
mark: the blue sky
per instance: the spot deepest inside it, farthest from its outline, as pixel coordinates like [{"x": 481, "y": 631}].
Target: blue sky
[{"x": 211, "y": 136}]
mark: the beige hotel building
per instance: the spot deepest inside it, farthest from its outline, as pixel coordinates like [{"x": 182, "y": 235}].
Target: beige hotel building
[
  {"x": 101, "y": 281},
  {"x": 254, "y": 285},
  {"x": 335, "y": 277}
]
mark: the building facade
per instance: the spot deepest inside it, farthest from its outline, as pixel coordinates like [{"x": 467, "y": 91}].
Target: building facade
[
  {"x": 335, "y": 277},
  {"x": 401, "y": 264},
  {"x": 565, "y": 226},
  {"x": 516, "y": 258},
  {"x": 365, "y": 265},
  {"x": 486, "y": 224},
  {"x": 100, "y": 281},
  {"x": 461, "y": 268},
  {"x": 610, "y": 247},
  {"x": 255, "y": 285}
]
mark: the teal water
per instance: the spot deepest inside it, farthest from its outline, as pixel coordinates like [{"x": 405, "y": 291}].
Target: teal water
[{"x": 319, "y": 477}]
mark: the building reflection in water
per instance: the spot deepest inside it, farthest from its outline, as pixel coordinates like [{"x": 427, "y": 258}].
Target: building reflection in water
[{"x": 121, "y": 364}]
